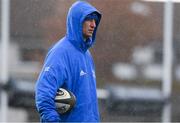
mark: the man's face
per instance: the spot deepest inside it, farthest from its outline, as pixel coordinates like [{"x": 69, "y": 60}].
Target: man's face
[{"x": 88, "y": 28}]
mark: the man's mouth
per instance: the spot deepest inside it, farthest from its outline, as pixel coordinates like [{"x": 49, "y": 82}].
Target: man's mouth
[{"x": 91, "y": 31}]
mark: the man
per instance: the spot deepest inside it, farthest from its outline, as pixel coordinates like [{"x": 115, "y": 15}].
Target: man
[{"x": 69, "y": 65}]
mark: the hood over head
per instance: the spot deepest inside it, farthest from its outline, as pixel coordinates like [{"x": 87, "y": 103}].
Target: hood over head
[{"x": 76, "y": 16}]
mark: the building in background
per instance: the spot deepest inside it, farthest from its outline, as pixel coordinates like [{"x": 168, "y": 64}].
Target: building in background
[{"x": 126, "y": 25}]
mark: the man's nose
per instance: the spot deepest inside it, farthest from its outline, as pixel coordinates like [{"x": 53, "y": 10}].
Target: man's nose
[{"x": 93, "y": 23}]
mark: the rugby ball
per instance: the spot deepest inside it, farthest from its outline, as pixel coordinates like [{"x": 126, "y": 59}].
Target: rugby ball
[{"x": 64, "y": 100}]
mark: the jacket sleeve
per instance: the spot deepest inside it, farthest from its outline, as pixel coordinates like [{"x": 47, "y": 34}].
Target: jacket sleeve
[{"x": 45, "y": 92}]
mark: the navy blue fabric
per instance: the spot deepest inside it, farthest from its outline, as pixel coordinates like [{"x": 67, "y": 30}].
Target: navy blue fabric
[
  {"x": 91, "y": 17},
  {"x": 69, "y": 65}
]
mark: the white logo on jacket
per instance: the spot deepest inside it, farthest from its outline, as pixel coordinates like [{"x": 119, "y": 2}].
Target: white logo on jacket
[
  {"x": 46, "y": 69},
  {"x": 94, "y": 74},
  {"x": 82, "y": 73}
]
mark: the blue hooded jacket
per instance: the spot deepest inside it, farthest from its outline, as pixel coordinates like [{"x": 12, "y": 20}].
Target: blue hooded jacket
[{"x": 69, "y": 65}]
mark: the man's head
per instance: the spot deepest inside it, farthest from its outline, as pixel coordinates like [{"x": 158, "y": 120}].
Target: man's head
[
  {"x": 89, "y": 25},
  {"x": 82, "y": 23}
]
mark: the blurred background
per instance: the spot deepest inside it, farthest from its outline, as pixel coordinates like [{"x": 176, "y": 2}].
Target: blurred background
[{"x": 136, "y": 54}]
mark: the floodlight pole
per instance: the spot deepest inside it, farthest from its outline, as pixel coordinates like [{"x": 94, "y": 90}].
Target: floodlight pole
[
  {"x": 5, "y": 5},
  {"x": 167, "y": 48},
  {"x": 167, "y": 58},
  {"x": 167, "y": 55}
]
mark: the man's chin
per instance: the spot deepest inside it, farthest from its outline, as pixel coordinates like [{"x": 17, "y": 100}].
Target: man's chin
[{"x": 90, "y": 35}]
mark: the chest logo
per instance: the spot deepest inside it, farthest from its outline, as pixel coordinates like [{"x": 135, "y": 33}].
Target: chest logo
[
  {"x": 82, "y": 73},
  {"x": 93, "y": 72},
  {"x": 46, "y": 69}
]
